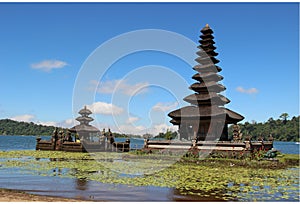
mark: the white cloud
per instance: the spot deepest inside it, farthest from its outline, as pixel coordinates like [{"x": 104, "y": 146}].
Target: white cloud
[
  {"x": 247, "y": 91},
  {"x": 32, "y": 118},
  {"x": 48, "y": 65},
  {"x": 141, "y": 130},
  {"x": 132, "y": 120},
  {"x": 131, "y": 129},
  {"x": 165, "y": 106},
  {"x": 24, "y": 118},
  {"x": 121, "y": 86},
  {"x": 48, "y": 123},
  {"x": 105, "y": 108},
  {"x": 68, "y": 123},
  {"x": 162, "y": 128}
]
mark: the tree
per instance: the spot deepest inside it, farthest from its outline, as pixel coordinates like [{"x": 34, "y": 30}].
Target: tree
[
  {"x": 147, "y": 136},
  {"x": 168, "y": 135},
  {"x": 11, "y": 127},
  {"x": 284, "y": 117},
  {"x": 287, "y": 132},
  {"x": 271, "y": 124},
  {"x": 253, "y": 122}
]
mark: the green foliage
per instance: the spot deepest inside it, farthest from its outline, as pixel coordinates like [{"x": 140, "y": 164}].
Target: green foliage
[
  {"x": 11, "y": 127},
  {"x": 284, "y": 117},
  {"x": 121, "y": 135},
  {"x": 232, "y": 180},
  {"x": 281, "y": 129},
  {"x": 230, "y": 155},
  {"x": 291, "y": 159},
  {"x": 169, "y": 135}
]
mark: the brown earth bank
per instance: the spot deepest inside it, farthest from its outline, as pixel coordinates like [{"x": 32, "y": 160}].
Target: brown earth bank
[{"x": 19, "y": 196}]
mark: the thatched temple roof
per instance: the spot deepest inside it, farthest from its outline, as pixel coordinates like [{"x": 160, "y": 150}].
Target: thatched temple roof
[
  {"x": 208, "y": 98},
  {"x": 85, "y": 111},
  {"x": 210, "y": 76},
  {"x": 207, "y": 68},
  {"x": 207, "y": 86},
  {"x": 196, "y": 113},
  {"x": 84, "y": 128}
]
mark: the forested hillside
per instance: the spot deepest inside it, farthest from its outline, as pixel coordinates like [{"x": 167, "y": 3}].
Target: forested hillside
[
  {"x": 281, "y": 129},
  {"x": 11, "y": 127}
]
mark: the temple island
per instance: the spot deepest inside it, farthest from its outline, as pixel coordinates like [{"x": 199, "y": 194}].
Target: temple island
[
  {"x": 203, "y": 125},
  {"x": 83, "y": 138}
]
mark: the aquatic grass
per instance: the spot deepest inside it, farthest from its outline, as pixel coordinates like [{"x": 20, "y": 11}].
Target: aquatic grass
[
  {"x": 44, "y": 154},
  {"x": 218, "y": 178}
]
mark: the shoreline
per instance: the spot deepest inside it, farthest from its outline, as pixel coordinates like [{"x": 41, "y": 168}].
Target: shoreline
[{"x": 10, "y": 195}]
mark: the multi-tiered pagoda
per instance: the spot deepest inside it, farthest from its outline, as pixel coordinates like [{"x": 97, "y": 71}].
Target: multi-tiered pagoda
[
  {"x": 86, "y": 134},
  {"x": 84, "y": 129},
  {"x": 206, "y": 118}
]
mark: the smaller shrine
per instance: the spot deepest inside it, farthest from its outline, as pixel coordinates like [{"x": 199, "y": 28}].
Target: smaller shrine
[
  {"x": 83, "y": 138},
  {"x": 84, "y": 130}
]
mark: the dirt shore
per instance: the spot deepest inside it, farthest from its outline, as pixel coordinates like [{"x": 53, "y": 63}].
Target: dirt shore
[{"x": 19, "y": 196}]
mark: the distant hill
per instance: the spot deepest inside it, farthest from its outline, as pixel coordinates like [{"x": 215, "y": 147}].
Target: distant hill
[
  {"x": 11, "y": 127},
  {"x": 281, "y": 129}
]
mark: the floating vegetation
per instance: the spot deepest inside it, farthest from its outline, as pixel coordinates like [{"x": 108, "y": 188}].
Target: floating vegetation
[
  {"x": 44, "y": 154},
  {"x": 218, "y": 178}
]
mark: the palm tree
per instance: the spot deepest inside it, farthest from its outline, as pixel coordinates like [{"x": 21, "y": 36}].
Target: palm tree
[{"x": 284, "y": 117}]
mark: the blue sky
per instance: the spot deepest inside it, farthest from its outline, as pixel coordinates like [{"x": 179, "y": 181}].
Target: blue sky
[{"x": 44, "y": 46}]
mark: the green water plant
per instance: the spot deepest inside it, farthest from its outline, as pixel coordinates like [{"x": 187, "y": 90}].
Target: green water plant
[{"x": 227, "y": 179}]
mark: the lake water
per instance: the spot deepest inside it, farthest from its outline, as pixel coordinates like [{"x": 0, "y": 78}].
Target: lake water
[
  {"x": 8, "y": 143},
  {"x": 287, "y": 147},
  {"x": 13, "y": 178}
]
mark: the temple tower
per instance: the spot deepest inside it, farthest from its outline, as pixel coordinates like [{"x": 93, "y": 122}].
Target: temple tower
[
  {"x": 84, "y": 119},
  {"x": 84, "y": 129},
  {"x": 206, "y": 118}
]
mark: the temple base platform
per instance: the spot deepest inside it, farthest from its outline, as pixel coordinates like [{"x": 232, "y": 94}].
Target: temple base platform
[
  {"x": 250, "y": 146},
  {"x": 83, "y": 146}
]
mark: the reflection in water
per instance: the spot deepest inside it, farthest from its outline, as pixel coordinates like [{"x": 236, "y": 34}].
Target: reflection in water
[
  {"x": 96, "y": 191},
  {"x": 179, "y": 195},
  {"x": 81, "y": 184}
]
